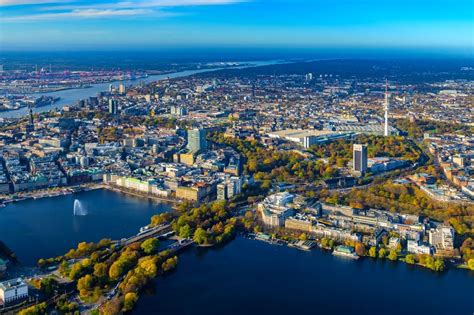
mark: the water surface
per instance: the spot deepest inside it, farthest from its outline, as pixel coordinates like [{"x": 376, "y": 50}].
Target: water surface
[
  {"x": 252, "y": 277},
  {"x": 46, "y": 227},
  {"x": 71, "y": 96}
]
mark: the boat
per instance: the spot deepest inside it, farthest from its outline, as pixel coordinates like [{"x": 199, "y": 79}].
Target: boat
[{"x": 302, "y": 245}]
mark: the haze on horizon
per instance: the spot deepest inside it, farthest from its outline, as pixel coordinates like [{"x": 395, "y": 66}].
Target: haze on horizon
[{"x": 435, "y": 25}]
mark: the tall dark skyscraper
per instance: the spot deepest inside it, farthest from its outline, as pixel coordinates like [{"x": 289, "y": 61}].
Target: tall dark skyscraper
[
  {"x": 31, "y": 117},
  {"x": 359, "y": 155}
]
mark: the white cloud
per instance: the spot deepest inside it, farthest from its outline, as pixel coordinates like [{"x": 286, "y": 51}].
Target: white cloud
[
  {"x": 141, "y": 4},
  {"x": 85, "y": 14},
  {"x": 107, "y": 9},
  {"x": 4, "y": 3}
]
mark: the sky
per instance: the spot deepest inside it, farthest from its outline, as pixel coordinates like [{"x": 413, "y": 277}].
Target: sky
[{"x": 150, "y": 24}]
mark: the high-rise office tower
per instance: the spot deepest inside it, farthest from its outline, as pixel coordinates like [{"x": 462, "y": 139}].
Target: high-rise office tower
[
  {"x": 359, "y": 156},
  {"x": 113, "y": 107},
  {"x": 386, "y": 107},
  {"x": 197, "y": 140}
]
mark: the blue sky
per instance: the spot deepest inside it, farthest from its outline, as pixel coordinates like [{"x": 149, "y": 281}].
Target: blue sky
[{"x": 148, "y": 24}]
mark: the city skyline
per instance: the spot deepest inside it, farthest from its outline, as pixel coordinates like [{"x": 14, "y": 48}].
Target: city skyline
[
  {"x": 409, "y": 25},
  {"x": 236, "y": 156}
]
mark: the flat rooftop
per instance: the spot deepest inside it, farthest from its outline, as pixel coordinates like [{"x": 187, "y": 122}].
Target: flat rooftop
[{"x": 300, "y": 133}]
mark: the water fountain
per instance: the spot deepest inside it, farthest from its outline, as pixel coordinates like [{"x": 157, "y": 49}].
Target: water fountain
[{"x": 79, "y": 208}]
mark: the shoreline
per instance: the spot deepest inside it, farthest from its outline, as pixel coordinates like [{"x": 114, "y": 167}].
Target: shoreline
[
  {"x": 280, "y": 242},
  {"x": 68, "y": 190},
  {"x": 46, "y": 193},
  {"x": 100, "y": 87}
]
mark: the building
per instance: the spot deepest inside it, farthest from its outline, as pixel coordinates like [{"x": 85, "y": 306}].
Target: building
[
  {"x": 359, "y": 155},
  {"x": 229, "y": 188},
  {"x": 13, "y": 290},
  {"x": 309, "y": 137},
  {"x": 113, "y": 106},
  {"x": 194, "y": 193},
  {"x": 178, "y": 110},
  {"x": 197, "y": 140},
  {"x": 459, "y": 161},
  {"x": 222, "y": 191},
  {"x": 185, "y": 158},
  {"x": 299, "y": 224},
  {"x": 442, "y": 237},
  {"x": 122, "y": 89},
  {"x": 393, "y": 242},
  {"x": 274, "y": 209},
  {"x": 385, "y": 164},
  {"x": 416, "y": 248},
  {"x": 386, "y": 107}
]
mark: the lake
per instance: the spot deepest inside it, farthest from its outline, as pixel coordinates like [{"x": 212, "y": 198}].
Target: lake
[
  {"x": 46, "y": 227},
  {"x": 243, "y": 277},
  {"x": 252, "y": 277}
]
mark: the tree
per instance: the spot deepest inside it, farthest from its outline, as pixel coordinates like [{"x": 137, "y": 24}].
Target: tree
[
  {"x": 150, "y": 246},
  {"x": 35, "y": 310},
  {"x": 252, "y": 165},
  {"x": 129, "y": 301},
  {"x": 360, "y": 249},
  {"x": 373, "y": 252},
  {"x": 382, "y": 253},
  {"x": 200, "y": 236},
  {"x": 470, "y": 263},
  {"x": 439, "y": 265},
  {"x": 399, "y": 248},
  {"x": 331, "y": 243},
  {"x": 324, "y": 242},
  {"x": 148, "y": 267},
  {"x": 122, "y": 265},
  {"x": 84, "y": 284},
  {"x": 41, "y": 263},
  {"x": 185, "y": 231},
  {"x": 63, "y": 268},
  {"x": 170, "y": 264},
  {"x": 392, "y": 255},
  {"x": 48, "y": 285},
  {"x": 161, "y": 218},
  {"x": 113, "y": 306},
  {"x": 100, "y": 272},
  {"x": 410, "y": 259},
  {"x": 77, "y": 271}
]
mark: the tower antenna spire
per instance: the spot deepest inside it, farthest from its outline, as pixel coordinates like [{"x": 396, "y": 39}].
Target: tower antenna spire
[{"x": 386, "y": 107}]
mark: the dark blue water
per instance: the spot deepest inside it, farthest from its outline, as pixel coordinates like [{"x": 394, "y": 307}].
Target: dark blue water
[
  {"x": 46, "y": 227},
  {"x": 245, "y": 276},
  {"x": 251, "y": 277}
]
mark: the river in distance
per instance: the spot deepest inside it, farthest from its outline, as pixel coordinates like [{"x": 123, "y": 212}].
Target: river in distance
[
  {"x": 47, "y": 227},
  {"x": 252, "y": 277},
  {"x": 71, "y": 96}
]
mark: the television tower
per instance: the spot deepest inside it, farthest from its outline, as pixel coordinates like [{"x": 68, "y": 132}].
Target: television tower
[{"x": 386, "y": 107}]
